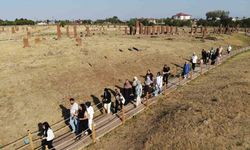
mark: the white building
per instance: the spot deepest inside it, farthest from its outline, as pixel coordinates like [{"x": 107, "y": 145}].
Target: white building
[{"x": 182, "y": 16}]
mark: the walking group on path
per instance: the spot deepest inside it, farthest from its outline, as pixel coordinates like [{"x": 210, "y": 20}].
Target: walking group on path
[{"x": 81, "y": 116}]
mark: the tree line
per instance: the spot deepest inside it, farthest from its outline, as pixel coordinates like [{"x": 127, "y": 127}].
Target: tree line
[{"x": 20, "y": 21}]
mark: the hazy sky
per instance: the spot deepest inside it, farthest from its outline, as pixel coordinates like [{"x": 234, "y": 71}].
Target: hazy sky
[{"x": 124, "y": 9}]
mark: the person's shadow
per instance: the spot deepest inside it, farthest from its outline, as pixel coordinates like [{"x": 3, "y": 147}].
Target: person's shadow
[
  {"x": 65, "y": 114},
  {"x": 98, "y": 103}
]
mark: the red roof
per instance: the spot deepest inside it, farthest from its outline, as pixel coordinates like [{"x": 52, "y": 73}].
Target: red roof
[{"x": 182, "y": 14}]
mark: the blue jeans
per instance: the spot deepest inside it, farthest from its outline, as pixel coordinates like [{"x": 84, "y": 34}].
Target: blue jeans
[{"x": 73, "y": 123}]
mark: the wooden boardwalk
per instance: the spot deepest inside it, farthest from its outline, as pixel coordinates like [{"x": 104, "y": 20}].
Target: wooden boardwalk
[{"x": 104, "y": 123}]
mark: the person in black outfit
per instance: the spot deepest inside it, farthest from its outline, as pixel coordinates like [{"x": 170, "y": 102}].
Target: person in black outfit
[
  {"x": 149, "y": 80},
  {"x": 204, "y": 56},
  {"x": 107, "y": 100},
  {"x": 166, "y": 73},
  {"x": 83, "y": 121}
]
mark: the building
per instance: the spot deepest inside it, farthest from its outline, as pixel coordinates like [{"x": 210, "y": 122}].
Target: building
[{"x": 182, "y": 16}]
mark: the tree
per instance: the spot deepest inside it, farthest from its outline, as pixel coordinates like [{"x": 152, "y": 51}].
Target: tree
[{"x": 212, "y": 15}]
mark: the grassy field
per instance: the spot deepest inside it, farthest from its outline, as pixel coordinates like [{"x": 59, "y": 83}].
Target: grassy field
[
  {"x": 211, "y": 112},
  {"x": 35, "y": 81}
]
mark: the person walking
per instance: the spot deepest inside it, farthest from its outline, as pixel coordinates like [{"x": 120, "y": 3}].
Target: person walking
[
  {"x": 194, "y": 61},
  {"x": 204, "y": 56},
  {"x": 127, "y": 89},
  {"x": 90, "y": 111},
  {"x": 149, "y": 78},
  {"x": 166, "y": 74},
  {"x": 48, "y": 136},
  {"x": 159, "y": 82},
  {"x": 186, "y": 70},
  {"x": 83, "y": 120},
  {"x": 73, "y": 115},
  {"x": 138, "y": 90},
  {"x": 119, "y": 100},
  {"x": 107, "y": 100},
  {"x": 229, "y": 49}
]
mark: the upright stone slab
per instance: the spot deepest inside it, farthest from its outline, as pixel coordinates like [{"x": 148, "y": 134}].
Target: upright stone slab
[
  {"x": 176, "y": 30},
  {"x": 126, "y": 30},
  {"x": 37, "y": 40},
  {"x": 158, "y": 30},
  {"x": 78, "y": 41},
  {"x": 162, "y": 29},
  {"x": 167, "y": 29},
  {"x": 130, "y": 30},
  {"x": 88, "y": 31},
  {"x": 153, "y": 30},
  {"x": 171, "y": 29},
  {"x": 75, "y": 31},
  {"x": 13, "y": 30},
  {"x": 149, "y": 30},
  {"x": 26, "y": 42},
  {"x": 67, "y": 31},
  {"x": 28, "y": 34},
  {"x": 141, "y": 28},
  {"x": 59, "y": 33},
  {"x": 137, "y": 26}
]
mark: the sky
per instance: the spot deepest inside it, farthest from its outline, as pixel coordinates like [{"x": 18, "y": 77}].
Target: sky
[{"x": 124, "y": 9}]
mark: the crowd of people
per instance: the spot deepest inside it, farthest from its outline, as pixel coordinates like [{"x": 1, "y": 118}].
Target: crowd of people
[{"x": 81, "y": 116}]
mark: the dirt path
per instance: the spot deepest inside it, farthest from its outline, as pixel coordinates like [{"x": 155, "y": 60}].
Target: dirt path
[{"x": 212, "y": 112}]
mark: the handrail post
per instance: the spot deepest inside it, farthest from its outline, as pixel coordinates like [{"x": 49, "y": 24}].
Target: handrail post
[
  {"x": 191, "y": 75},
  {"x": 93, "y": 133},
  {"x": 201, "y": 67},
  {"x": 123, "y": 114},
  {"x": 30, "y": 140}
]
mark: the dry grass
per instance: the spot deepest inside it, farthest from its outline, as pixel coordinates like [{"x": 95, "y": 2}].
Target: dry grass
[
  {"x": 211, "y": 112},
  {"x": 36, "y": 80}
]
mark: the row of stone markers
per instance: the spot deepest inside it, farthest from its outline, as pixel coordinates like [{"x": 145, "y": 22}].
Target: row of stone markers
[
  {"x": 75, "y": 34},
  {"x": 150, "y": 30}
]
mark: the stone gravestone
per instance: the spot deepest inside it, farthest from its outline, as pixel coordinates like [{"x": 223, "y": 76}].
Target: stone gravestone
[
  {"x": 171, "y": 29},
  {"x": 195, "y": 29},
  {"x": 67, "y": 31},
  {"x": 141, "y": 28},
  {"x": 220, "y": 29},
  {"x": 75, "y": 31},
  {"x": 58, "y": 32},
  {"x": 192, "y": 32},
  {"x": 137, "y": 27},
  {"x": 153, "y": 30},
  {"x": 28, "y": 34},
  {"x": 149, "y": 30},
  {"x": 26, "y": 42},
  {"x": 176, "y": 30},
  {"x": 167, "y": 29},
  {"x": 37, "y": 40},
  {"x": 27, "y": 29},
  {"x": 3, "y": 29},
  {"x": 126, "y": 30},
  {"x": 78, "y": 41},
  {"x": 130, "y": 30},
  {"x": 201, "y": 29},
  {"x": 162, "y": 29},
  {"x": 88, "y": 32},
  {"x": 13, "y": 30},
  {"x": 16, "y": 28},
  {"x": 158, "y": 30}
]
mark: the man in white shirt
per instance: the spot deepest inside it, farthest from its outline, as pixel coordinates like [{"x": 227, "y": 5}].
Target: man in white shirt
[
  {"x": 91, "y": 112},
  {"x": 229, "y": 49},
  {"x": 159, "y": 82},
  {"x": 73, "y": 115},
  {"x": 194, "y": 61}
]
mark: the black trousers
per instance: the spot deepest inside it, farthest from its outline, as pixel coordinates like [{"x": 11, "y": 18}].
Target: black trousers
[
  {"x": 193, "y": 65},
  {"x": 165, "y": 78},
  {"x": 50, "y": 145}
]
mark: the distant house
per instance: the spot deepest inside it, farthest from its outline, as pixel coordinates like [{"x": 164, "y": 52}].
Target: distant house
[
  {"x": 182, "y": 16},
  {"x": 151, "y": 20},
  {"x": 42, "y": 24}
]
